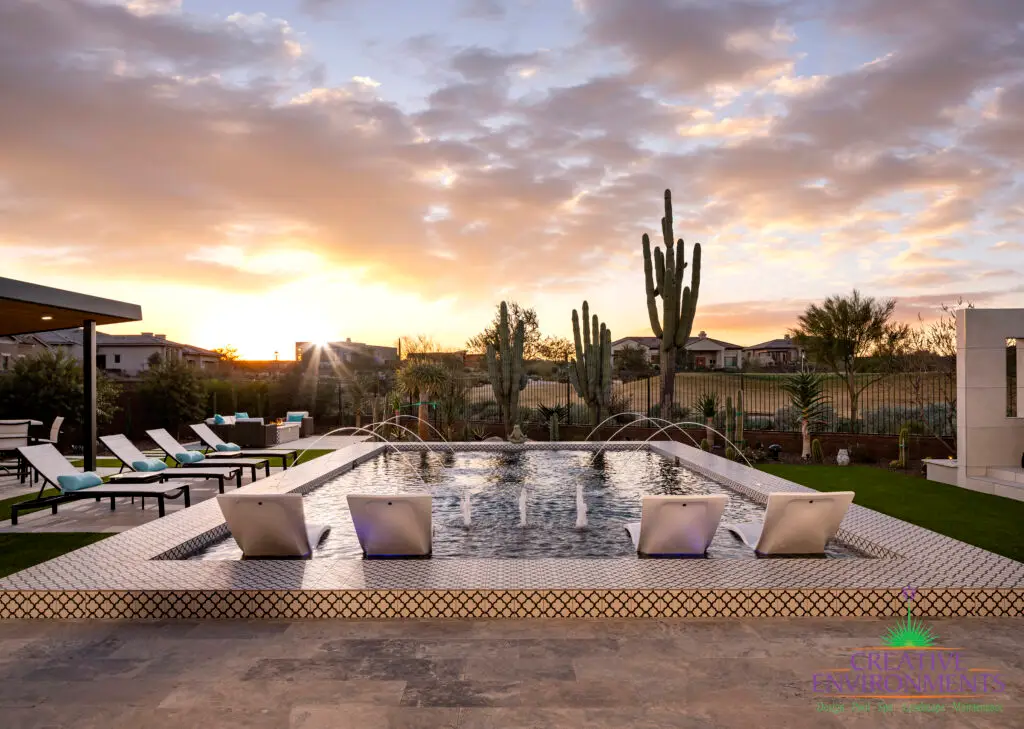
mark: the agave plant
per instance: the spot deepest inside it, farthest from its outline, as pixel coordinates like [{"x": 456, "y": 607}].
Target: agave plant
[
  {"x": 708, "y": 405},
  {"x": 807, "y": 395}
]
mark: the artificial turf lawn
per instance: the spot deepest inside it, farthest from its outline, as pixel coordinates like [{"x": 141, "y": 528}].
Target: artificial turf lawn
[
  {"x": 21, "y": 551},
  {"x": 986, "y": 521}
]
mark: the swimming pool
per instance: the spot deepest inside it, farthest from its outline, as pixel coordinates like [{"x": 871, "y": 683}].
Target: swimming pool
[{"x": 520, "y": 504}]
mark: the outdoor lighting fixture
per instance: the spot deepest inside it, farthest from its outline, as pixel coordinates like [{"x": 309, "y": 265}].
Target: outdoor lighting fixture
[{"x": 47, "y": 318}]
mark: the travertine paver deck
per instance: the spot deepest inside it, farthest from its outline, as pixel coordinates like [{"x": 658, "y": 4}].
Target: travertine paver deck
[{"x": 717, "y": 673}]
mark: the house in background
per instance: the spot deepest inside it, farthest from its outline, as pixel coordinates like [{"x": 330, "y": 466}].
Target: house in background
[
  {"x": 649, "y": 345},
  {"x": 347, "y": 354},
  {"x": 128, "y": 355},
  {"x": 775, "y": 353},
  {"x": 713, "y": 354},
  {"x": 703, "y": 351},
  {"x": 16, "y": 346}
]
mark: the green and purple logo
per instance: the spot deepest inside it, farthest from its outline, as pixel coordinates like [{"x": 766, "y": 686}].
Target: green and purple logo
[{"x": 908, "y": 665}]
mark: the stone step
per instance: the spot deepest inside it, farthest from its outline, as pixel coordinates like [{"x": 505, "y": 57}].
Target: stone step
[
  {"x": 1001, "y": 487},
  {"x": 1006, "y": 473}
]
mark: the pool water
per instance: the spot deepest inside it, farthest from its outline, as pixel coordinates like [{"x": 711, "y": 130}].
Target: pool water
[{"x": 503, "y": 488}]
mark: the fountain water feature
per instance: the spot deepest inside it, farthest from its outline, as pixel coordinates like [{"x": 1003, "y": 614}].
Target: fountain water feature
[
  {"x": 682, "y": 422},
  {"x": 639, "y": 416},
  {"x": 381, "y": 423},
  {"x": 368, "y": 431},
  {"x": 464, "y": 506},
  {"x": 523, "y": 496},
  {"x": 581, "y": 507}
]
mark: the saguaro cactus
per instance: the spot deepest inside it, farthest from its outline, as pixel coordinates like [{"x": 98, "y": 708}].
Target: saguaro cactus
[
  {"x": 739, "y": 419},
  {"x": 591, "y": 373},
  {"x": 730, "y": 420},
  {"x": 664, "y": 278},
  {"x": 505, "y": 369}
]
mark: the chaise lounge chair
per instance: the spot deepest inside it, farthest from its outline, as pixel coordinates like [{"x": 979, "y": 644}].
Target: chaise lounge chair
[
  {"x": 795, "y": 522},
  {"x": 216, "y": 446},
  {"x": 166, "y": 442},
  {"x": 393, "y": 526},
  {"x": 270, "y": 526},
  {"x": 51, "y": 465},
  {"x": 676, "y": 526},
  {"x": 129, "y": 455}
]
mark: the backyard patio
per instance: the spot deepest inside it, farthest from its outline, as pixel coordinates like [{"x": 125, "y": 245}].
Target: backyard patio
[{"x": 557, "y": 674}]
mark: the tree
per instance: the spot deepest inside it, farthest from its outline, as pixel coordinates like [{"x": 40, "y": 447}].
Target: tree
[
  {"x": 807, "y": 396},
  {"x": 174, "y": 394},
  {"x": 452, "y": 398},
  {"x": 930, "y": 351},
  {"x": 843, "y": 332},
  {"x": 516, "y": 314},
  {"x": 422, "y": 379},
  {"x": 49, "y": 383},
  {"x": 663, "y": 277},
  {"x": 632, "y": 362},
  {"x": 557, "y": 349},
  {"x": 419, "y": 344},
  {"x": 227, "y": 353}
]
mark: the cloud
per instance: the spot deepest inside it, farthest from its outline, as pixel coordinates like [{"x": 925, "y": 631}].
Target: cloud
[
  {"x": 199, "y": 149},
  {"x": 1009, "y": 246},
  {"x": 692, "y": 47}
]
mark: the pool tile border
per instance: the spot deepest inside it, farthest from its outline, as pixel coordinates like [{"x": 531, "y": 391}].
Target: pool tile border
[{"x": 141, "y": 574}]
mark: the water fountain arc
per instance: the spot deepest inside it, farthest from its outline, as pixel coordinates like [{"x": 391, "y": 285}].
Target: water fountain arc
[
  {"x": 381, "y": 423},
  {"x": 685, "y": 422},
  {"x": 368, "y": 431}
]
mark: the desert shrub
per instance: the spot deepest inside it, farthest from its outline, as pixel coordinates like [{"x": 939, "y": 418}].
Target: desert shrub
[
  {"x": 938, "y": 418},
  {"x": 758, "y": 422},
  {"x": 679, "y": 412}
]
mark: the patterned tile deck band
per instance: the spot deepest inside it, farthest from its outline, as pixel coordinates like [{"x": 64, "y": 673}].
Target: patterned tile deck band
[{"x": 141, "y": 574}]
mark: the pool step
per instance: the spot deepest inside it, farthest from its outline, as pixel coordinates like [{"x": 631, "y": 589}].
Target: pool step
[
  {"x": 1013, "y": 474},
  {"x": 999, "y": 487}
]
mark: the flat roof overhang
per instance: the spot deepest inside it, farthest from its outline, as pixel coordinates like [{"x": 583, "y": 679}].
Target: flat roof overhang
[{"x": 27, "y": 308}]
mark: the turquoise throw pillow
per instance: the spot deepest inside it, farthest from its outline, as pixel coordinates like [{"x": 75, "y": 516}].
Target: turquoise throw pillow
[
  {"x": 150, "y": 464},
  {"x": 79, "y": 481},
  {"x": 228, "y": 447},
  {"x": 241, "y": 416},
  {"x": 188, "y": 457},
  {"x": 295, "y": 418},
  {"x": 219, "y": 420}
]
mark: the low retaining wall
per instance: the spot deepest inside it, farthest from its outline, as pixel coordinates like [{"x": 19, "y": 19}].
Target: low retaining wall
[{"x": 867, "y": 448}]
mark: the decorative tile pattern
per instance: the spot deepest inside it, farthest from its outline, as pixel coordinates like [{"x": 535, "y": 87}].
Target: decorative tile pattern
[{"x": 140, "y": 573}]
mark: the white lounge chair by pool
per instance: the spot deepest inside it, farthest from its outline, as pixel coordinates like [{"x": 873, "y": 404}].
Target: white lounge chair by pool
[
  {"x": 795, "y": 522},
  {"x": 270, "y": 526},
  {"x": 52, "y": 466},
  {"x": 393, "y": 526},
  {"x": 126, "y": 452},
  {"x": 672, "y": 526}
]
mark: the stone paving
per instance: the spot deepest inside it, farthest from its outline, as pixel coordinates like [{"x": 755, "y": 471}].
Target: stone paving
[{"x": 470, "y": 674}]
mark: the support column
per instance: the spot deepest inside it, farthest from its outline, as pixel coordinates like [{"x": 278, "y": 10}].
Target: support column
[{"x": 89, "y": 391}]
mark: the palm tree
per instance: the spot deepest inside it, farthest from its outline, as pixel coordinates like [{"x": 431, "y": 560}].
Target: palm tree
[
  {"x": 422, "y": 379},
  {"x": 807, "y": 395}
]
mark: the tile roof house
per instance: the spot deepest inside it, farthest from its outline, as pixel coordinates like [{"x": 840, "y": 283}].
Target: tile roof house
[
  {"x": 774, "y": 352},
  {"x": 706, "y": 352},
  {"x": 128, "y": 355}
]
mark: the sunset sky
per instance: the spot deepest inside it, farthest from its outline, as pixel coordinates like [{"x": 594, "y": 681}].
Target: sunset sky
[{"x": 255, "y": 173}]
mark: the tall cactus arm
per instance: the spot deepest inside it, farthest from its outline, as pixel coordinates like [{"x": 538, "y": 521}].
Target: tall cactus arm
[
  {"x": 688, "y": 305},
  {"x": 651, "y": 288}
]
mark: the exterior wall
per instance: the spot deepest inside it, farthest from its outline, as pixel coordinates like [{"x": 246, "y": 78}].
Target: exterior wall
[
  {"x": 651, "y": 355},
  {"x": 133, "y": 360},
  {"x": 986, "y": 436}
]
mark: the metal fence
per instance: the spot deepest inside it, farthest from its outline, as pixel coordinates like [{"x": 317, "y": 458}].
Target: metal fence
[{"x": 883, "y": 405}]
